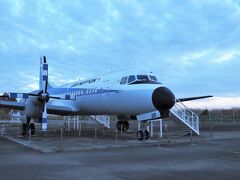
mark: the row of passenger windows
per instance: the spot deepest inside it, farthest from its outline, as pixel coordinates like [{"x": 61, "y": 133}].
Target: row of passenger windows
[
  {"x": 141, "y": 78},
  {"x": 82, "y": 92}
]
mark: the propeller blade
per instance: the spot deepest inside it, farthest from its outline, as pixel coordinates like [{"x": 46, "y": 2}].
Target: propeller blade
[
  {"x": 44, "y": 118},
  {"x": 44, "y": 74}
]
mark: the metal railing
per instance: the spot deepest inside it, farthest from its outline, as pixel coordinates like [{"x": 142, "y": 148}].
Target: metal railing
[
  {"x": 186, "y": 116},
  {"x": 102, "y": 119}
]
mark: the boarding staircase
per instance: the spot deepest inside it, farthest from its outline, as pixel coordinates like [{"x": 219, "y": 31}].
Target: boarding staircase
[
  {"x": 186, "y": 116},
  {"x": 101, "y": 119}
]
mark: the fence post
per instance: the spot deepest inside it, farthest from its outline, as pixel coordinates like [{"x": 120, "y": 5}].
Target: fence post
[
  {"x": 151, "y": 125},
  {"x": 95, "y": 132},
  {"x": 233, "y": 116},
  {"x": 29, "y": 135},
  {"x": 80, "y": 129},
  {"x": 210, "y": 124},
  {"x": 61, "y": 139},
  {"x": 221, "y": 115},
  {"x": 116, "y": 131},
  {"x": 191, "y": 137}
]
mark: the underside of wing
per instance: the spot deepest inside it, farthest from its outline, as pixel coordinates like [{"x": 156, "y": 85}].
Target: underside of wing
[
  {"x": 193, "y": 98},
  {"x": 12, "y": 105},
  {"x": 60, "y": 110},
  {"x": 51, "y": 109}
]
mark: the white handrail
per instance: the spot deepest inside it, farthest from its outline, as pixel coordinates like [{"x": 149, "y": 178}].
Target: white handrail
[
  {"x": 102, "y": 119},
  {"x": 187, "y": 116}
]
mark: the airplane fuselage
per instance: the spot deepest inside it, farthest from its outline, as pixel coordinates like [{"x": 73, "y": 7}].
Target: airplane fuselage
[{"x": 105, "y": 95}]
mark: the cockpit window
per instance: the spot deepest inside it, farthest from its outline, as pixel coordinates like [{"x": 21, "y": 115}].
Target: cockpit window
[
  {"x": 153, "y": 78},
  {"x": 131, "y": 79},
  {"x": 142, "y": 77},
  {"x": 123, "y": 80}
]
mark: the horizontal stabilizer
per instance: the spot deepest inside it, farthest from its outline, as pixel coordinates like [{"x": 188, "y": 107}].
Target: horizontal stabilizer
[{"x": 192, "y": 98}]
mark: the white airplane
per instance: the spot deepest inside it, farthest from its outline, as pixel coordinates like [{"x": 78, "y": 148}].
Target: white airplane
[{"x": 124, "y": 94}]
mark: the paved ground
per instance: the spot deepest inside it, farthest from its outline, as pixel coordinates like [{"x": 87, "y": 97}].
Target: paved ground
[{"x": 217, "y": 158}]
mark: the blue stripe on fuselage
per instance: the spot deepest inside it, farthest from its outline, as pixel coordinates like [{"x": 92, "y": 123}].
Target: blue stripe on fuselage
[{"x": 79, "y": 91}]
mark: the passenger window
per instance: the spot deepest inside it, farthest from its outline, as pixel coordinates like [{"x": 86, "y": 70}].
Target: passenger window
[
  {"x": 123, "y": 80},
  {"x": 131, "y": 78}
]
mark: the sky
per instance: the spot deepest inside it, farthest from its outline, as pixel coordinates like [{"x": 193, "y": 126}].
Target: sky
[{"x": 193, "y": 46}]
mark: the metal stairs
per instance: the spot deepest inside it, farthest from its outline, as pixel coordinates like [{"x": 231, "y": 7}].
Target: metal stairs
[
  {"x": 186, "y": 116},
  {"x": 101, "y": 119}
]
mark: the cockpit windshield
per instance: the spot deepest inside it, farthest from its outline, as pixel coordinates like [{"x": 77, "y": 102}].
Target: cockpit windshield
[
  {"x": 143, "y": 77},
  {"x": 153, "y": 78},
  {"x": 139, "y": 79}
]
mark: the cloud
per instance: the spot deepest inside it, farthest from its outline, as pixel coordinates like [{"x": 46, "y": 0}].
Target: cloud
[{"x": 192, "y": 45}]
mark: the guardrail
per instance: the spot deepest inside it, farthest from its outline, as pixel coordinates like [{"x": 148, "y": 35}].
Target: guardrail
[{"x": 186, "y": 116}]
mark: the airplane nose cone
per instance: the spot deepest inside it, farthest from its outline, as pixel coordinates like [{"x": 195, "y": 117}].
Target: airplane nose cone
[{"x": 163, "y": 98}]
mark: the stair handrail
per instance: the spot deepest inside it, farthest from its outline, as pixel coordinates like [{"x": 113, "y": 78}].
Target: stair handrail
[
  {"x": 192, "y": 122},
  {"x": 104, "y": 121}
]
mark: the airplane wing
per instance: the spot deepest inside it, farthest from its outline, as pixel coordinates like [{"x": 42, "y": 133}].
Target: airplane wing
[
  {"x": 60, "y": 110},
  {"x": 51, "y": 109},
  {"x": 12, "y": 105},
  {"x": 192, "y": 98}
]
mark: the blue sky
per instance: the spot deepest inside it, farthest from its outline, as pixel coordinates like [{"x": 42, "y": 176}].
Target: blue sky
[{"x": 193, "y": 46}]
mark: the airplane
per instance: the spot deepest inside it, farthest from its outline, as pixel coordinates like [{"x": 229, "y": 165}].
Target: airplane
[{"x": 124, "y": 94}]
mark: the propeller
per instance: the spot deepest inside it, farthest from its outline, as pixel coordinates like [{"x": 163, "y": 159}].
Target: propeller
[
  {"x": 43, "y": 95},
  {"x": 43, "y": 86}
]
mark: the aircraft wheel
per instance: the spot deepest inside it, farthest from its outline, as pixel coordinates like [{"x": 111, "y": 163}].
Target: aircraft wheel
[
  {"x": 24, "y": 129},
  {"x": 32, "y": 128},
  {"x": 147, "y": 134},
  {"x": 140, "y": 135},
  {"x": 118, "y": 125}
]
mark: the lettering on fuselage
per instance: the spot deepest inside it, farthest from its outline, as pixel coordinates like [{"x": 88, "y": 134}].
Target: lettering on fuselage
[{"x": 84, "y": 82}]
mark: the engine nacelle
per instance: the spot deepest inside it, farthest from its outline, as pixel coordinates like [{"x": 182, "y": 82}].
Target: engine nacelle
[{"x": 33, "y": 107}]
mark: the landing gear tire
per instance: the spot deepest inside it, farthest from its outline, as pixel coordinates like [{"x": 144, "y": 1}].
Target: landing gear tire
[
  {"x": 32, "y": 128},
  {"x": 140, "y": 135},
  {"x": 122, "y": 125},
  {"x": 24, "y": 129}
]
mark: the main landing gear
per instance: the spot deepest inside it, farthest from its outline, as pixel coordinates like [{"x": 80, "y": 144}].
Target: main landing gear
[
  {"x": 122, "y": 125},
  {"x": 28, "y": 127}
]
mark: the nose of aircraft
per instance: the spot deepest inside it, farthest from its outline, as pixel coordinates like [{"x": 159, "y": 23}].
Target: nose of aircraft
[{"x": 163, "y": 98}]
